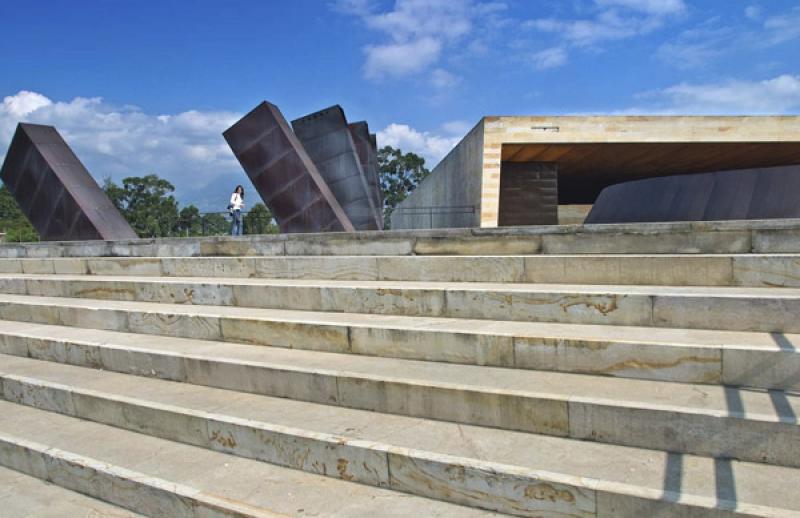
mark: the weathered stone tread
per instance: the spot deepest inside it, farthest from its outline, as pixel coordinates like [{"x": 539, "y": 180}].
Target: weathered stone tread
[
  {"x": 769, "y": 270},
  {"x": 732, "y": 308},
  {"x": 615, "y": 470},
  {"x": 750, "y": 404},
  {"x": 258, "y": 488},
  {"x": 23, "y": 496},
  {"x": 756, "y": 359}
]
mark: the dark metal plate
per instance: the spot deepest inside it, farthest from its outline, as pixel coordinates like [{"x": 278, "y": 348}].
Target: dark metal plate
[
  {"x": 328, "y": 141},
  {"x": 55, "y": 191},
  {"x": 368, "y": 156},
  {"x": 283, "y": 173}
]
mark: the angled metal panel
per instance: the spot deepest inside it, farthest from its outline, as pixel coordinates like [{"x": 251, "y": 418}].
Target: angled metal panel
[
  {"x": 373, "y": 141},
  {"x": 742, "y": 194},
  {"x": 283, "y": 174},
  {"x": 330, "y": 145},
  {"x": 368, "y": 156},
  {"x": 55, "y": 191}
]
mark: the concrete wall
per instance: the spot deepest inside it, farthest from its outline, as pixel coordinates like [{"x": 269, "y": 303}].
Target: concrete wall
[
  {"x": 573, "y": 214},
  {"x": 455, "y": 183}
]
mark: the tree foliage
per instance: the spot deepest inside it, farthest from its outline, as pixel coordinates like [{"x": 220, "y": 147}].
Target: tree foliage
[
  {"x": 147, "y": 203},
  {"x": 13, "y": 222},
  {"x": 399, "y": 174},
  {"x": 259, "y": 220},
  {"x": 190, "y": 221}
]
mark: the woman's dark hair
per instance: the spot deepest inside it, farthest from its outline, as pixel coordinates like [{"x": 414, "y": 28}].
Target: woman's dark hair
[{"x": 238, "y": 187}]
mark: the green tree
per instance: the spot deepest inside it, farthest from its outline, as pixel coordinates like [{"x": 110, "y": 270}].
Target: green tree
[
  {"x": 259, "y": 220},
  {"x": 215, "y": 224},
  {"x": 12, "y": 221},
  {"x": 399, "y": 174},
  {"x": 190, "y": 222},
  {"x": 147, "y": 203}
]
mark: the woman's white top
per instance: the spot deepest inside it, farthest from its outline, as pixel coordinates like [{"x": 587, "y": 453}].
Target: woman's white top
[{"x": 237, "y": 201}]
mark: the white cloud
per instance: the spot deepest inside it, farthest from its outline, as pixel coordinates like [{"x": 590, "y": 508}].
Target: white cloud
[
  {"x": 185, "y": 148},
  {"x": 696, "y": 47},
  {"x": 444, "y": 80},
  {"x": 400, "y": 59},
  {"x": 549, "y": 58},
  {"x": 753, "y": 12},
  {"x": 613, "y": 20},
  {"x": 700, "y": 45},
  {"x": 783, "y": 27},
  {"x": 431, "y": 147},
  {"x": 779, "y": 95},
  {"x": 657, "y": 7},
  {"x": 415, "y": 31},
  {"x": 457, "y": 127},
  {"x": 608, "y": 20},
  {"x": 23, "y": 103}
]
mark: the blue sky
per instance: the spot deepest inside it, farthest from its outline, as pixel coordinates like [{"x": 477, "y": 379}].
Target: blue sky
[{"x": 148, "y": 86}]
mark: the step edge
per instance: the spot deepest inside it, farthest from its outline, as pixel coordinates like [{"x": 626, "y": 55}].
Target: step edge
[{"x": 529, "y": 475}]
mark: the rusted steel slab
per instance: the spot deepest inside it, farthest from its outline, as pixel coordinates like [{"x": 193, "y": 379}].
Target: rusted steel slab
[
  {"x": 283, "y": 173},
  {"x": 329, "y": 143},
  {"x": 55, "y": 191},
  {"x": 368, "y": 156},
  {"x": 766, "y": 193}
]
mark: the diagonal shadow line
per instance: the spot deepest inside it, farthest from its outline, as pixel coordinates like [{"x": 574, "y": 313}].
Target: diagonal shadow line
[
  {"x": 725, "y": 484},
  {"x": 783, "y": 408},
  {"x": 782, "y": 342},
  {"x": 733, "y": 399},
  {"x": 789, "y": 379},
  {"x": 673, "y": 472}
]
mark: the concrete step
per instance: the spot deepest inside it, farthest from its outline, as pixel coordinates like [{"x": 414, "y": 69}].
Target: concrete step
[
  {"x": 764, "y": 360},
  {"x": 757, "y": 270},
  {"x": 715, "y": 421},
  {"x": 672, "y": 417},
  {"x": 769, "y": 236},
  {"x": 160, "y": 478},
  {"x": 23, "y": 496},
  {"x": 726, "y": 308},
  {"x": 511, "y": 472}
]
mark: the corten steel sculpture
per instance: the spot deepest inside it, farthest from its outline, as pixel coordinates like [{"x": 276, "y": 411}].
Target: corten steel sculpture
[
  {"x": 744, "y": 194},
  {"x": 366, "y": 147},
  {"x": 283, "y": 173},
  {"x": 330, "y": 145},
  {"x": 55, "y": 191}
]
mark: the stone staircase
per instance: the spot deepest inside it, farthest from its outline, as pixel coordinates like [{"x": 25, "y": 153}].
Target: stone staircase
[{"x": 617, "y": 370}]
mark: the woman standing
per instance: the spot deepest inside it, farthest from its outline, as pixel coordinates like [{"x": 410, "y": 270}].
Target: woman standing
[{"x": 235, "y": 207}]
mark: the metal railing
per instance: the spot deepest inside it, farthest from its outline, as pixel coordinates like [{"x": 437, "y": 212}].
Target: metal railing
[
  {"x": 201, "y": 224},
  {"x": 219, "y": 223}
]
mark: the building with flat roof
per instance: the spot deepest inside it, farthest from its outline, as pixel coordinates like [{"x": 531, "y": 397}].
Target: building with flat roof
[{"x": 527, "y": 170}]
